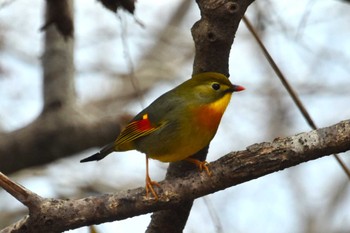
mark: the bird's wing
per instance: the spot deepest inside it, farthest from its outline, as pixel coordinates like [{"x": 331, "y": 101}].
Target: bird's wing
[
  {"x": 137, "y": 129},
  {"x": 155, "y": 117}
]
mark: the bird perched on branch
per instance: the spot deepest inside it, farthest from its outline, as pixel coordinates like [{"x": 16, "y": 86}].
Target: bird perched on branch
[{"x": 178, "y": 124}]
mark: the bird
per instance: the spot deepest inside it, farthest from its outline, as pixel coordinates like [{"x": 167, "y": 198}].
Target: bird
[{"x": 177, "y": 124}]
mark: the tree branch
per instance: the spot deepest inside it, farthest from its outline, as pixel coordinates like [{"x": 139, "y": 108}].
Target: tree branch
[
  {"x": 55, "y": 135},
  {"x": 214, "y": 33},
  {"x": 59, "y": 13},
  {"x": 57, "y": 215},
  {"x": 29, "y": 144},
  {"x": 25, "y": 196},
  {"x": 46, "y": 139},
  {"x": 58, "y": 58}
]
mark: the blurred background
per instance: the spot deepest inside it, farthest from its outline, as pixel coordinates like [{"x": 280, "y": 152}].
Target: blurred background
[{"x": 309, "y": 41}]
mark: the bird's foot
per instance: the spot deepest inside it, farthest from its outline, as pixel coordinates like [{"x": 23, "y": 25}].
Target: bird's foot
[
  {"x": 149, "y": 187},
  {"x": 202, "y": 165}
]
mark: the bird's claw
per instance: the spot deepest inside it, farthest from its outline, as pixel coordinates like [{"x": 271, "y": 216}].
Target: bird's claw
[
  {"x": 205, "y": 166},
  {"x": 149, "y": 187},
  {"x": 202, "y": 165}
]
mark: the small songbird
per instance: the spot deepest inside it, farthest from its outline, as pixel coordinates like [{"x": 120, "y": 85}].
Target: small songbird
[{"x": 178, "y": 124}]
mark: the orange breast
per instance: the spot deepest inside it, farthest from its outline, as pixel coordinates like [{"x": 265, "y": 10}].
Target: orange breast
[{"x": 209, "y": 116}]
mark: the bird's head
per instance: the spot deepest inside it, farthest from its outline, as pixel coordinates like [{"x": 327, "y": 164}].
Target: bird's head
[{"x": 210, "y": 87}]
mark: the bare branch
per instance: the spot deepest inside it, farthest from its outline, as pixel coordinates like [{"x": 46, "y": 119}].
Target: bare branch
[
  {"x": 56, "y": 215},
  {"x": 25, "y": 196},
  {"x": 55, "y": 135}
]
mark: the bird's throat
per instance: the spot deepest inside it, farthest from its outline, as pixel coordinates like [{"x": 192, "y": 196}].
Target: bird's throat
[{"x": 221, "y": 104}]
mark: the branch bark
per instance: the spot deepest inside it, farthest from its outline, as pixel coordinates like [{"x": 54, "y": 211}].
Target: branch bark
[
  {"x": 57, "y": 215},
  {"x": 55, "y": 135}
]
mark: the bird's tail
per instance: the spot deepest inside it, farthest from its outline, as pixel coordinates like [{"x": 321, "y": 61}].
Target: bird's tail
[{"x": 100, "y": 155}]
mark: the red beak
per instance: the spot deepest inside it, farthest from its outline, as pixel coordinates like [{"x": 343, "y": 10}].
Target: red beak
[{"x": 237, "y": 88}]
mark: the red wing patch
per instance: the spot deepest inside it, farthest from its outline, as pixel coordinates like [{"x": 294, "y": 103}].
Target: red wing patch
[
  {"x": 135, "y": 130},
  {"x": 144, "y": 124}
]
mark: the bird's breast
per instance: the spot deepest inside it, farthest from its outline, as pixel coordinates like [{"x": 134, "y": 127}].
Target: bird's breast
[{"x": 209, "y": 116}]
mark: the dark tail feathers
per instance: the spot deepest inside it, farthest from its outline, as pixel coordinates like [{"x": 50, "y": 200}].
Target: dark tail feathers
[{"x": 100, "y": 155}]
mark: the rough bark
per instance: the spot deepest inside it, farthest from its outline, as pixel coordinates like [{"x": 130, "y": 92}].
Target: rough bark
[{"x": 57, "y": 215}]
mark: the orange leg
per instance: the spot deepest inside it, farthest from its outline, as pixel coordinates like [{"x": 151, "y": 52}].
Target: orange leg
[
  {"x": 150, "y": 183},
  {"x": 202, "y": 165}
]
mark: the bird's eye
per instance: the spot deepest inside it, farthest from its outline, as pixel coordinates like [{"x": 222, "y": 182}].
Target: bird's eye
[{"x": 215, "y": 86}]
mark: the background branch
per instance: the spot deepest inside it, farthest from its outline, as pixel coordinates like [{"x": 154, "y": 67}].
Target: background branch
[
  {"x": 33, "y": 145},
  {"x": 58, "y": 58},
  {"x": 56, "y": 215},
  {"x": 63, "y": 128},
  {"x": 92, "y": 125}
]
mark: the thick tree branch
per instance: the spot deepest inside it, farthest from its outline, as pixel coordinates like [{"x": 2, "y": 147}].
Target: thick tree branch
[
  {"x": 59, "y": 116},
  {"x": 56, "y": 215},
  {"x": 59, "y": 13},
  {"x": 66, "y": 128},
  {"x": 62, "y": 129},
  {"x": 58, "y": 58},
  {"x": 55, "y": 135},
  {"x": 213, "y": 36},
  {"x": 214, "y": 33}
]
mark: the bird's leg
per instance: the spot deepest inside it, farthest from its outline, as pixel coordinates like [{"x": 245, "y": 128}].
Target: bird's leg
[
  {"x": 202, "y": 165},
  {"x": 150, "y": 183}
]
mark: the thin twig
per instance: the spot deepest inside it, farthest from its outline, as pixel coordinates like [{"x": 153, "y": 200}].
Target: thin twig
[
  {"x": 127, "y": 54},
  {"x": 289, "y": 88},
  {"x": 213, "y": 215}
]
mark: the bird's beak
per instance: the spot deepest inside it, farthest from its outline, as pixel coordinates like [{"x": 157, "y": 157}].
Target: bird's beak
[{"x": 236, "y": 88}]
